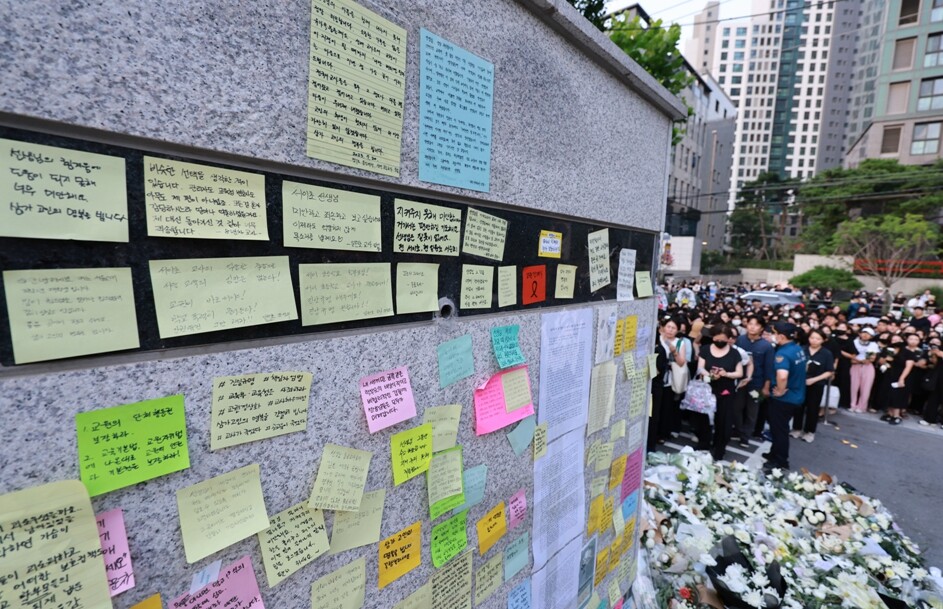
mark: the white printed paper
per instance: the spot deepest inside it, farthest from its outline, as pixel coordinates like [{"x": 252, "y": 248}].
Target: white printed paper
[{"x": 566, "y": 342}]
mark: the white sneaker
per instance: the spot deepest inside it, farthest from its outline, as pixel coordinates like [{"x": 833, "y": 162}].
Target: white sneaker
[
  {"x": 809, "y": 437},
  {"x": 795, "y": 434},
  {"x": 924, "y": 423}
]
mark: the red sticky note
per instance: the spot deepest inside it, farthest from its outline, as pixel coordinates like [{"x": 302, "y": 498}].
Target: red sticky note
[{"x": 534, "y": 284}]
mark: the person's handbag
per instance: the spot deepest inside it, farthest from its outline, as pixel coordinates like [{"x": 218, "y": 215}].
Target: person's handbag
[
  {"x": 699, "y": 398},
  {"x": 679, "y": 375}
]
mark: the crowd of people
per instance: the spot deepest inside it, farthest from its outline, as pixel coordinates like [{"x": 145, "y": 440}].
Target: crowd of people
[{"x": 773, "y": 369}]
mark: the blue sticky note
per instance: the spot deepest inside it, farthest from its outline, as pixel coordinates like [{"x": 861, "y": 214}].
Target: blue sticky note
[
  {"x": 473, "y": 479},
  {"x": 507, "y": 349},
  {"x": 456, "y": 361},
  {"x": 519, "y": 597},
  {"x": 630, "y": 506},
  {"x": 516, "y": 556},
  {"x": 521, "y": 435},
  {"x": 456, "y": 94}
]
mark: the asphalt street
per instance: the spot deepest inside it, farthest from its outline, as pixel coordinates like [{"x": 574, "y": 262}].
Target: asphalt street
[{"x": 901, "y": 466}]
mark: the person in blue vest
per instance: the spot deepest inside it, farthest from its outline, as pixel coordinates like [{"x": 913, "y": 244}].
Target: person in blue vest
[{"x": 787, "y": 393}]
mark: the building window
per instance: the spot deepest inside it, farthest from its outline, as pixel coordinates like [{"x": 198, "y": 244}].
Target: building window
[
  {"x": 931, "y": 94},
  {"x": 897, "y": 97},
  {"x": 934, "y": 56},
  {"x": 909, "y": 12},
  {"x": 723, "y": 56},
  {"x": 926, "y": 139},
  {"x": 890, "y": 143},
  {"x": 741, "y": 31},
  {"x": 904, "y": 54},
  {"x": 936, "y": 13},
  {"x": 740, "y": 44}
]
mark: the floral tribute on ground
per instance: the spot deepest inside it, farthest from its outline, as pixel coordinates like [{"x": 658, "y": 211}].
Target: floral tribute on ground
[{"x": 723, "y": 535}]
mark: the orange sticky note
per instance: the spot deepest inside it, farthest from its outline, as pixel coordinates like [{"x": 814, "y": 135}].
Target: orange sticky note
[
  {"x": 150, "y": 603},
  {"x": 534, "y": 284},
  {"x": 400, "y": 553},
  {"x": 620, "y": 333},
  {"x": 617, "y": 472},
  {"x": 595, "y": 514},
  {"x": 602, "y": 566},
  {"x": 491, "y": 528}
]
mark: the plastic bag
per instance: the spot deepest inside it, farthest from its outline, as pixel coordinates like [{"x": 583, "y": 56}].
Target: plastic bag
[{"x": 699, "y": 398}]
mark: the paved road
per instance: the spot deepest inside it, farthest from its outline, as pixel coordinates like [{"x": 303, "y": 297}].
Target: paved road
[{"x": 901, "y": 466}]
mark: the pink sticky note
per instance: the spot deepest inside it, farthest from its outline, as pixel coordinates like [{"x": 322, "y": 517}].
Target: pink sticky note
[
  {"x": 387, "y": 398},
  {"x": 619, "y": 604},
  {"x": 114, "y": 540},
  {"x": 517, "y": 508},
  {"x": 632, "y": 479},
  {"x": 491, "y": 409},
  {"x": 236, "y": 587}
]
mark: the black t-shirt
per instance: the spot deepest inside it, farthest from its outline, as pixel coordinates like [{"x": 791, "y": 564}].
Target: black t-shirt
[
  {"x": 820, "y": 362},
  {"x": 899, "y": 362},
  {"x": 726, "y": 362},
  {"x": 834, "y": 347},
  {"x": 920, "y": 324}
]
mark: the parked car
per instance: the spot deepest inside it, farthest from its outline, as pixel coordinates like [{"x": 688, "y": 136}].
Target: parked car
[{"x": 772, "y": 298}]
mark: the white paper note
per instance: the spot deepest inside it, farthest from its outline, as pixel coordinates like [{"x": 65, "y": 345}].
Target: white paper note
[{"x": 566, "y": 342}]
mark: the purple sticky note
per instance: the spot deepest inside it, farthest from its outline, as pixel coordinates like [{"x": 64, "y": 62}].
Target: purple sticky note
[
  {"x": 632, "y": 479},
  {"x": 236, "y": 584},
  {"x": 114, "y": 540},
  {"x": 387, "y": 398},
  {"x": 517, "y": 508}
]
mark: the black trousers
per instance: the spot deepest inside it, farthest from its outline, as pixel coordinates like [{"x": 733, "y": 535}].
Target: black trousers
[
  {"x": 669, "y": 419},
  {"x": 658, "y": 392},
  {"x": 779, "y": 415},
  {"x": 807, "y": 418},
  {"x": 843, "y": 382},
  {"x": 722, "y": 423},
  {"x": 745, "y": 411}
]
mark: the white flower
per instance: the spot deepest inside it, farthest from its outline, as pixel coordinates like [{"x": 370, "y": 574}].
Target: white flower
[{"x": 753, "y": 598}]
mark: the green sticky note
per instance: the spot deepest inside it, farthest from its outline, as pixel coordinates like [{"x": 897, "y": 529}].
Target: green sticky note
[
  {"x": 127, "y": 444},
  {"x": 410, "y": 452},
  {"x": 521, "y": 435},
  {"x": 456, "y": 361},
  {"x": 643, "y": 284},
  {"x": 507, "y": 349},
  {"x": 449, "y": 537},
  {"x": 444, "y": 482}
]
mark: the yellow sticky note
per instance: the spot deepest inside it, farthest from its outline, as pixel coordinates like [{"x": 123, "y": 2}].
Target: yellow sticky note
[
  {"x": 631, "y": 333},
  {"x": 327, "y": 218},
  {"x": 491, "y": 528},
  {"x": 516, "y": 387},
  {"x": 62, "y": 313},
  {"x": 426, "y": 229},
  {"x": 152, "y": 602},
  {"x": 550, "y": 244},
  {"x": 652, "y": 365},
  {"x": 598, "y": 486},
  {"x": 216, "y": 513},
  {"x": 203, "y": 202},
  {"x": 507, "y": 286},
  {"x": 417, "y": 287},
  {"x": 484, "y": 235},
  {"x": 489, "y": 578},
  {"x": 420, "y": 599},
  {"x": 643, "y": 284},
  {"x": 620, "y": 334},
  {"x": 410, "y": 452},
  {"x": 605, "y": 518},
  {"x": 341, "y": 477},
  {"x": 209, "y": 294},
  {"x": 258, "y": 406},
  {"x": 449, "y": 537},
  {"x": 617, "y": 430},
  {"x": 599, "y": 276},
  {"x": 444, "y": 421},
  {"x": 343, "y": 589},
  {"x": 595, "y": 514},
  {"x": 617, "y": 472},
  {"x": 614, "y": 556},
  {"x": 615, "y": 593},
  {"x": 602, "y": 566},
  {"x": 57, "y": 193},
  {"x": 540, "y": 441},
  {"x": 452, "y": 586},
  {"x": 477, "y": 286},
  {"x": 360, "y": 528},
  {"x": 444, "y": 478},
  {"x": 566, "y": 281},
  {"x": 124, "y": 445},
  {"x": 604, "y": 456},
  {"x": 294, "y": 538},
  {"x": 331, "y": 293},
  {"x": 399, "y": 554},
  {"x": 46, "y": 530}
]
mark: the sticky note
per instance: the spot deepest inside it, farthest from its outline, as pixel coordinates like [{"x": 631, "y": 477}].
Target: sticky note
[
  {"x": 360, "y": 528},
  {"x": 507, "y": 286},
  {"x": 345, "y": 588},
  {"x": 620, "y": 337},
  {"x": 449, "y": 537},
  {"x": 399, "y": 554},
  {"x": 631, "y": 333},
  {"x": 451, "y": 586},
  {"x": 605, "y": 518},
  {"x": 206, "y": 575},
  {"x": 602, "y": 566},
  {"x": 420, "y": 599},
  {"x": 595, "y": 509},
  {"x": 236, "y": 587},
  {"x": 484, "y": 235},
  {"x": 615, "y": 594},
  {"x": 328, "y": 218},
  {"x": 61, "y": 313},
  {"x": 341, "y": 477},
  {"x": 117, "y": 555},
  {"x": 595, "y": 602},
  {"x": 617, "y": 471},
  {"x": 643, "y": 284},
  {"x": 444, "y": 477},
  {"x": 151, "y": 602},
  {"x": 519, "y": 596},
  {"x": 516, "y": 386},
  {"x": 540, "y": 441},
  {"x": 617, "y": 430},
  {"x": 474, "y": 480},
  {"x": 522, "y": 434},
  {"x": 550, "y": 244},
  {"x": 489, "y": 578},
  {"x": 363, "y": 130},
  {"x": 604, "y": 457},
  {"x": 534, "y": 284},
  {"x": 625, "y": 278},
  {"x": 598, "y": 486},
  {"x": 444, "y": 421},
  {"x": 566, "y": 281},
  {"x": 426, "y": 229},
  {"x": 332, "y": 293},
  {"x": 203, "y": 202},
  {"x": 294, "y": 538},
  {"x": 516, "y": 556},
  {"x": 258, "y": 406},
  {"x": 57, "y": 193},
  {"x": 410, "y": 452},
  {"x": 517, "y": 509},
  {"x": 598, "y": 244},
  {"x": 491, "y": 407},
  {"x": 216, "y": 513},
  {"x": 477, "y": 286},
  {"x": 456, "y": 90},
  {"x": 618, "y": 521},
  {"x": 387, "y": 398},
  {"x": 633, "y": 473},
  {"x": 456, "y": 360},
  {"x": 602, "y": 391},
  {"x": 210, "y": 294},
  {"x": 635, "y": 435},
  {"x": 507, "y": 348},
  {"x": 417, "y": 287},
  {"x": 652, "y": 366},
  {"x": 630, "y": 506},
  {"x": 491, "y": 528},
  {"x": 124, "y": 445}
]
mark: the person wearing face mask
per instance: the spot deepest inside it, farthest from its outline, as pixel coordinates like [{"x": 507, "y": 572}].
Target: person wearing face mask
[
  {"x": 861, "y": 359},
  {"x": 720, "y": 365},
  {"x": 748, "y": 411},
  {"x": 788, "y": 394},
  {"x": 901, "y": 368},
  {"x": 818, "y": 371},
  {"x": 933, "y": 383}
]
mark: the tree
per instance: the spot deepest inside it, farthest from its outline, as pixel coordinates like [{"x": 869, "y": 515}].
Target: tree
[
  {"x": 711, "y": 260},
  {"x": 754, "y": 229},
  {"x": 593, "y": 10},
  {"x": 827, "y": 277}
]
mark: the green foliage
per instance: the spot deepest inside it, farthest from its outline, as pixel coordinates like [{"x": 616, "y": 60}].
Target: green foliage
[
  {"x": 710, "y": 260},
  {"x": 754, "y": 232},
  {"x": 826, "y": 277},
  {"x": 935, "y": 290},
  {"x": 774, "y": 265},
  {"x": 593, "y": 10},
  {"x": 890, "y": 244}
]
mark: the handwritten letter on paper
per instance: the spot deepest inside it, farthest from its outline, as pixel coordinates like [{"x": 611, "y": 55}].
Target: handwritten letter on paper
[
  {"x": 342, "y": 589},
  {"x": 449, "y": 537},
  {"x": 57, "y": 193},
  {"x": 360, "y": 528},
  {"x": 387, "y": 398},
  {"x": 599, "y": 259},
  {"x": 484, "y": 235},
  {"x": 296, "y": 537},
  {"x": 452, "y": 586},
  {"x": 507, "y": 348},
  {"x": 507, "y": 286},
  {"x": 236, "y": 588},
  {"x": 258, "y": 406},
  {"x": 625, "y": 280},
  {"x": 417, "y": 287},
  {"x": 61, "y": 313},
  {"x": 400, "y": 553},
  {"x": 341, "y": 477},
  {"x": 444, "y": 421},
  {"x": 566, "y": 281},
  {"x": 491, "y": 405},
  {"x": 456, "y": 360},
  {"x": 332, "y": 293},
  {"x": 326, "y": 218},
  {"x": 444, "y": 478},
  {"x": 477, "y": 286},
  {"x": 426, "y": 229},
  {"x": 356, "y": 80}
]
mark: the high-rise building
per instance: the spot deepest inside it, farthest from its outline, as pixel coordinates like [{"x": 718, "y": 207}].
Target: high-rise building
[{"x": 699, "y": 49}]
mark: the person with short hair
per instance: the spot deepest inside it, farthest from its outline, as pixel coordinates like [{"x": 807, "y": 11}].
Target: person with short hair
[
  {"x": 820, "y": 369},
  {"x": 788, "y": 393}
]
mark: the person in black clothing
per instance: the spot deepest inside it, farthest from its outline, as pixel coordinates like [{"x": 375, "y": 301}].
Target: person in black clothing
[
  {"x": 901, "y": 366},
  {"x": 819, "y": 369},
  {"x": 658, "y": 389},
  {"x": 720, "y": 364},
  {"x": 919, "y": 322},
  {"x": 844, "y": 342}
]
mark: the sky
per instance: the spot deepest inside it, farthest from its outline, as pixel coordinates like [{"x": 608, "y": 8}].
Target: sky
[{"x": 683, "y": 11}]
